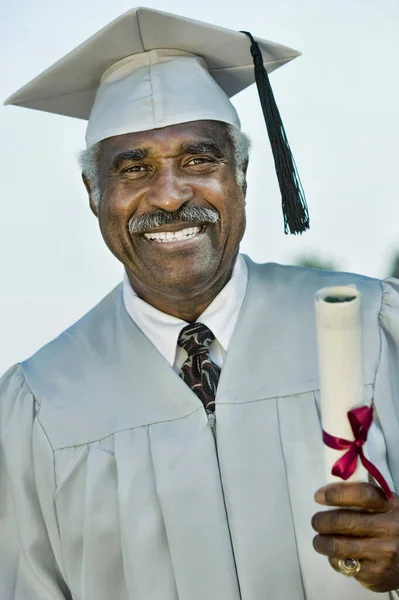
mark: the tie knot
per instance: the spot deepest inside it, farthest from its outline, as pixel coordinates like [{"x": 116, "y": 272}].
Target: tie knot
[{"x": 195, "y": 338}]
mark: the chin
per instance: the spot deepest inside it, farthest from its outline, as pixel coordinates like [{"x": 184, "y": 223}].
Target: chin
[{"x": 184, "y": 281}]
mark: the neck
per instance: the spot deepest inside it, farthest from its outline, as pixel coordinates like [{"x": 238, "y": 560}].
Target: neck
[{"x": 188, "y": 307}]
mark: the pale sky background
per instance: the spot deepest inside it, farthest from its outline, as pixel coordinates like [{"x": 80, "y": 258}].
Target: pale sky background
[{"x": 340, "y": 106}]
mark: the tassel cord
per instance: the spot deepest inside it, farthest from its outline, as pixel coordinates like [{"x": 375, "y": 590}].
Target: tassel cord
[{"x": 295, "y": 210}]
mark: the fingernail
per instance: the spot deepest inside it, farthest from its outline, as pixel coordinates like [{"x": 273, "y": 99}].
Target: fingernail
[{"x": 320, "y": 496}]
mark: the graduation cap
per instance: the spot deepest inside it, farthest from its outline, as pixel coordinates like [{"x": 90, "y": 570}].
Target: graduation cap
[{"x": 150, "y": 69}]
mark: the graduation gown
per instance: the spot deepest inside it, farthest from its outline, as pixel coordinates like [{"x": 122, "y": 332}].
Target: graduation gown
[{"x": 113, "y": 484}]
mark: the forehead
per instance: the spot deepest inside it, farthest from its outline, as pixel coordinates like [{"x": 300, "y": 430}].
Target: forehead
[{"x": 166, "y": 138}]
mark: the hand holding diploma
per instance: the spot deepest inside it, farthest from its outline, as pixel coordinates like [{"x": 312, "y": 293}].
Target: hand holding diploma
[{"x": 369, "y": 536}]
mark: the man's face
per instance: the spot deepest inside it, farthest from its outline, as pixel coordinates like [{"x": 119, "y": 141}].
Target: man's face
[{"x": 159, "y": 172}]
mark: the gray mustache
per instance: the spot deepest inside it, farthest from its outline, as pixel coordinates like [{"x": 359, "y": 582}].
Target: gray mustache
[{"x": 160, "y": 217}]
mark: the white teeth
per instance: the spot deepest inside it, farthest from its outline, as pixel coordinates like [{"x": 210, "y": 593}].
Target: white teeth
[{"x": 173, "y": 236}]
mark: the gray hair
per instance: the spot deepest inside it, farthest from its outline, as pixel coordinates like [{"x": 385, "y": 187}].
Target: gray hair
[{"x": 89, "y": 159}]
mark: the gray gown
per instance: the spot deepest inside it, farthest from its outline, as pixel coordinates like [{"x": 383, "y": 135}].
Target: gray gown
[{"x": 114, "y": 486}]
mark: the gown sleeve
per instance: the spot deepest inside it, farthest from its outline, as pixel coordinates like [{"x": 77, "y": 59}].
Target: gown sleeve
[
  {"x": 386, "y": 392},
  {"x": 387, "y": 379},
  {"x": 389, "y": 325},
  {"x": 28, "y": 568}
]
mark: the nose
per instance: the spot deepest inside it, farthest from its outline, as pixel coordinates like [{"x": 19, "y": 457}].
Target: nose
[{"x": 169, "y": 190}]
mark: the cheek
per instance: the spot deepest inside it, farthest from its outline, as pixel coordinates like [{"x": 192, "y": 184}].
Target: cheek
[
  {"x": 113, "y": 218},
  {"x": 238, "y": 222},
  {"x": 223, "y": 192},
  {"x": 220, "y": 190},
  {"x": 232, "y": 214},
  {"x": 236, "y": 225},
  {"x": 116, "y": 208}
]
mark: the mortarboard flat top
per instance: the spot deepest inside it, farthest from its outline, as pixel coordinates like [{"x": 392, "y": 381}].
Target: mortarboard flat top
[{"x": 69, "y": 86}]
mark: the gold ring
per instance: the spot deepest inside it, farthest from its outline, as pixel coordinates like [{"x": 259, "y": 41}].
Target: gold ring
[{"x": 349, "y": 566}]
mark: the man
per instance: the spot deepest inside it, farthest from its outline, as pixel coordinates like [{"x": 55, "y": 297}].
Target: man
[{"x": 168, "y": 445}]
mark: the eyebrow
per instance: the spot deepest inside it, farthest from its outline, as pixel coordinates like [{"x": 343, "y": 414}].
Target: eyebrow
[
  {"x": 134, "y": 155},
  {"x": 137, "y": 154},
  {"x": 202, "y": 147}
]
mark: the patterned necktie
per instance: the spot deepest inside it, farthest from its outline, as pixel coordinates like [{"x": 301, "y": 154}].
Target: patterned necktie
[{"x": 198, "y": 371}]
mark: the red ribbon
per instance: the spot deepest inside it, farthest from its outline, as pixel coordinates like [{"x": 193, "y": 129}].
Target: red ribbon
[{"x": 360, "y": 420}]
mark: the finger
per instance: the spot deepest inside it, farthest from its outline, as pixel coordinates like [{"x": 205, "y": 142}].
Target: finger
[
  {"x": 375, "y": 549},
  {"x": 362, "y": 495},
  {"x": 354, "y": 523}
]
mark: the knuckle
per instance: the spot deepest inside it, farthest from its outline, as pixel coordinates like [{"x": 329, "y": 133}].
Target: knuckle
[
  {"x": 390, "y": 549},
  {"x": 369, "y": 494},
  {"x": 347, "y": 522},
  {"x": 351, "y": 524},
  {"x": 335, "y": 547},
  {"x": 386, "y": 529},
  {"x": 342, "y": 547},
  {"x": 381, "y": 530},
  {"x": 356, "y": 547}
]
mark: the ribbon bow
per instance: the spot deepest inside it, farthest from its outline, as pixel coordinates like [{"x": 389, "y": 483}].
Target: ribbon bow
[{"x": 360, "y": 420}]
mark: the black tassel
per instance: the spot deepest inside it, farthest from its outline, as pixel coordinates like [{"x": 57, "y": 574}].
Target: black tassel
[{"x": 295, "y": 210}]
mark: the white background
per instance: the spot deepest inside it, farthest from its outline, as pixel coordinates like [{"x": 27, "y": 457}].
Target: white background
[{"x": 340, "y": 106}]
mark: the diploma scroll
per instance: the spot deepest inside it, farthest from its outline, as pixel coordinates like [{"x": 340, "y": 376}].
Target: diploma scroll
[{"x": 339, "y": 337}]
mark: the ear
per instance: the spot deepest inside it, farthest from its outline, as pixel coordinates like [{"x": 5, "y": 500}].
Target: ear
[{"x": 87, "y": 185}]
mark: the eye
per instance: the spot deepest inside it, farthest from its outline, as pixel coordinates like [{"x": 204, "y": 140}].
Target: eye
[
  {"x": 200, "y": 160},
  {"x": 135, "y": 172},
  {"x": 135, "y": 169}
]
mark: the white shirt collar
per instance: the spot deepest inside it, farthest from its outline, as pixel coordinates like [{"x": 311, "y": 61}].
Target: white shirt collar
[{"x": 163, "y": 329}]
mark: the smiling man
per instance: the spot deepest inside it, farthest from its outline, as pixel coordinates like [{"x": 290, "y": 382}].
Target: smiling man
[
  {"x": 172, "y": 210},
  {"x": 168, "y": 445}
]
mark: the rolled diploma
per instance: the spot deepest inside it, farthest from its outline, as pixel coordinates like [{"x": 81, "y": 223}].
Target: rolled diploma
[{"x": 338, "y": 322}]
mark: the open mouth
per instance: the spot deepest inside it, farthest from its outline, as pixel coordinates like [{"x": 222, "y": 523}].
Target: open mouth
[{"x": 181, "y": 235}]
